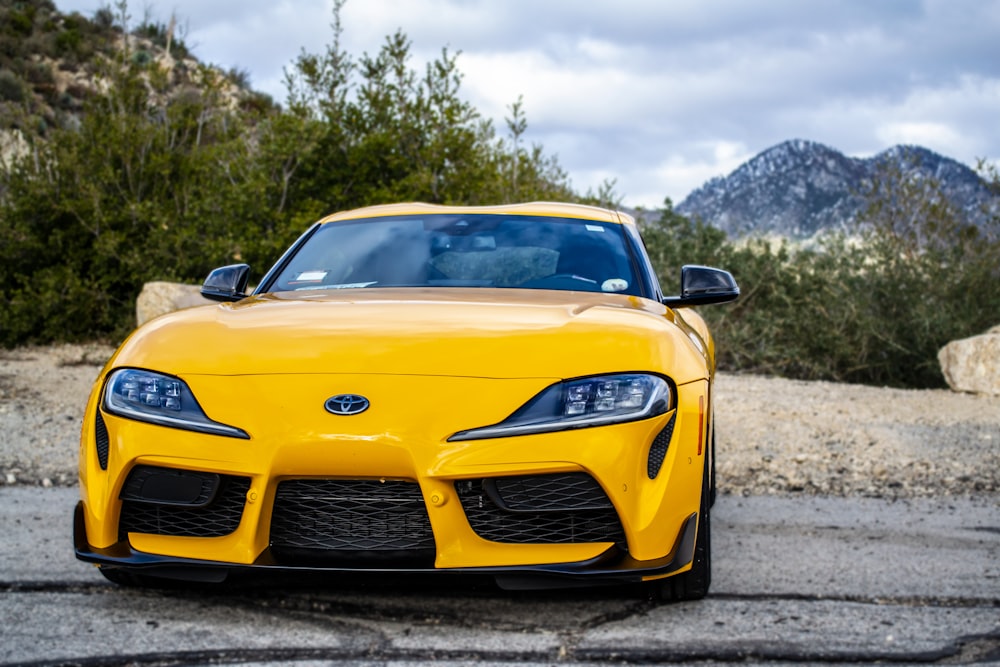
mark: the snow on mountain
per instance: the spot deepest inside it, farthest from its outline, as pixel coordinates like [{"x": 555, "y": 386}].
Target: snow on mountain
[{"x": 799, "y": 187}]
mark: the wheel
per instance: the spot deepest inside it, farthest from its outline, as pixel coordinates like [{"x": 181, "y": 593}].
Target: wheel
[{"x": 694, "y": 584}]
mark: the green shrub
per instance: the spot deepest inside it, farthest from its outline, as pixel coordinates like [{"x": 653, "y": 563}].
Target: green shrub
[
  {"x": 142, "y": 57},
  {"x": 873, "y": 308},
  {"x": 132, "y": 193},
  {"x": 11, "y": 87},
  {"x": 68, "y": 42},
  {"x": 20, "y": 23}
]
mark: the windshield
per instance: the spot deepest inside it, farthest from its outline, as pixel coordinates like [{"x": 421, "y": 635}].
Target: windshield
[{"x": 452, "y": 250}]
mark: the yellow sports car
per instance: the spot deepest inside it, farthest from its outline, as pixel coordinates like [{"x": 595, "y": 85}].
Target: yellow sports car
[{"x": 500, "y": 390}]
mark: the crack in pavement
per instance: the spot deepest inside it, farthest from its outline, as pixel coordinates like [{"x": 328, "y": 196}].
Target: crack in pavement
[
  {"x": 968, "y": 649},
  {"x": 242, "y": 656},
  {"x": 328, "y": 604},
  {"x": 878, "y": 600},
  {"x": 353, "y": 617}
]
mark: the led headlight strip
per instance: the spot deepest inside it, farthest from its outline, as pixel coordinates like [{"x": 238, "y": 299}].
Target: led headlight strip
[
  {"x": 581, "y": 403},
  {"x": 160, "y": 399}
]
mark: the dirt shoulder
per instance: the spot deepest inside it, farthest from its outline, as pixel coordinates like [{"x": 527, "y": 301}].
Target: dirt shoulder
[
  {"x": 779, "y": 436},
  {"x": 774, "y": 436},
  {"x": 43, "y": 393}
]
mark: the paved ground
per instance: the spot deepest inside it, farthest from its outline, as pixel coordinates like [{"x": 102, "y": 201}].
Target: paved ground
[
  {"x": 800, "y": 580},
  {"x": 882, "y": 543}
]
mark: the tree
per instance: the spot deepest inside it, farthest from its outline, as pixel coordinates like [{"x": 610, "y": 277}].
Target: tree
[
  {"x": 120, "y": 201},
  {"x": 163, "y": 183},
  {"x": 932, "y": 275}
]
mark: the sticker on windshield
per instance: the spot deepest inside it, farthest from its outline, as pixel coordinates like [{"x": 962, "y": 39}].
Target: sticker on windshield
[
  {"x": 341, "y": 286},
  {"x": 309, "y": 277},
  {"x": 614, "y": 285},
  {"x": 595, "y": 228}
]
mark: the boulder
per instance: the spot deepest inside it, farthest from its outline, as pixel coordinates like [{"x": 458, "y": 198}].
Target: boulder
[
  {"x": 158, "y": 298},
  {"x": 973, "y": 364}
]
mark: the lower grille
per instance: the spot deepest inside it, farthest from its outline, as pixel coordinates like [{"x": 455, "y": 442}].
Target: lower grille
[
  {"x": 350, "y": 516},
  {"x": 219, "y": 517},
  {"x": 567, "y": 508}
]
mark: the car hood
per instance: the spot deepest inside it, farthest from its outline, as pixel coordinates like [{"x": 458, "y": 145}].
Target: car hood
[{"x": 486, "y": 333}]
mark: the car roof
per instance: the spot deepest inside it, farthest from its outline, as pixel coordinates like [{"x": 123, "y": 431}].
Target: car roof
[{"x": 550, "y": 209}]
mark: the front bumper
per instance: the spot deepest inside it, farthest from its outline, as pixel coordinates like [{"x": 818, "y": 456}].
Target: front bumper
[
  {"x": 397, "y": 441},
  {"x": 613, "y": 566}
]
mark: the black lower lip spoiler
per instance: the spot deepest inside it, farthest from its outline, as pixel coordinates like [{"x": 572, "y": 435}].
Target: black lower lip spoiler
[{"x": 613, "y": 566}]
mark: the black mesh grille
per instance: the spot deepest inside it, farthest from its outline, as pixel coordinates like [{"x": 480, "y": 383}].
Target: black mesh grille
[
  {"x": 219, "y": 517},
  {"x": 178, "y": 487},
  {"x": 542, "y": 509},
  {"x": 101, "y": 438},
  {"x": 350, "y": 515},
  {"x": 547, "y": 493},
  {"x": 658, "y": 450}
]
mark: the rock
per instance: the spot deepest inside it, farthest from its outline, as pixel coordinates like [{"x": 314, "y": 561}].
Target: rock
[
  {"x": 973, "y": 364},
  {"x": 159, "y": 298},
  {"x": 13, "y": 147}
]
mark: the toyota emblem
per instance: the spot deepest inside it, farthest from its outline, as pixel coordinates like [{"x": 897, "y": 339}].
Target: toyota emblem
[{"x": 346, "y": 404}]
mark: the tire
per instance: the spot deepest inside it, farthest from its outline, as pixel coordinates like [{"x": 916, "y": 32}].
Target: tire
[
  {"x": 713, "y": 489},
  {"x": 694, "y": 584}
]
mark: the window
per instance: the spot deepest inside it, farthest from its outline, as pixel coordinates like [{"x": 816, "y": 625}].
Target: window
[{"x": 463, "y": 251}]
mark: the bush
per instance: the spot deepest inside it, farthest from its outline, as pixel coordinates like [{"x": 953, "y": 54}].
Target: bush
[
  {"x": 11, "y": 87},
  {"x": 872, "y": 308},
  {"x": 143, "y": 190}
]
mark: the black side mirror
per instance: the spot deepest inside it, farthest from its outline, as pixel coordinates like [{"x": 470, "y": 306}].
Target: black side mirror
[
  {"x": 227, "y": 283},
  {"x": 702, "y": 285}
]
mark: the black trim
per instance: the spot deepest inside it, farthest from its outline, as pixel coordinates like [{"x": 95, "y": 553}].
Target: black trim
[
  {"x": 170, "y": 486},
  {"x": 658, "y": 448},
  {"x": 264, "y": 285},
  {"x": 642, "y": 266},
  {"x": 703, "y": 285},
  {"x": 612, "y": 566},
  {"x": 101, "y": 439},
  {"x": 227, "y": 283}
]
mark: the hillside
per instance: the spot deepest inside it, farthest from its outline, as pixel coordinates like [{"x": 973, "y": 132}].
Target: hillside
[
  {"x": 798, "y": 188},
  {"x": 51, "y": 63}
]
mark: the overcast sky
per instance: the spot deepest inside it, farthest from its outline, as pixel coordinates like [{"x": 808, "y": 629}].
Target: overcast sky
[{"x": 660, "y": 95}]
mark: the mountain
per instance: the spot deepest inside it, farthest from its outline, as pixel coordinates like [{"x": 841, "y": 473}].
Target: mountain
[{"x": 798, "y": 188}]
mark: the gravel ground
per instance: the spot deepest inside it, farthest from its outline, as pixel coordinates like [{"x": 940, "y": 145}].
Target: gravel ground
[{"x": 774, "y": 436}]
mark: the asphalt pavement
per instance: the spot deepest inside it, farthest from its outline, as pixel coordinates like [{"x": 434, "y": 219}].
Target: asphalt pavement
[{"x": 803, "y": 580}]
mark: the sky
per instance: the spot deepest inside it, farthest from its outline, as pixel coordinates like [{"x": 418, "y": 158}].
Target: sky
[{"x": 657, "y": 95}]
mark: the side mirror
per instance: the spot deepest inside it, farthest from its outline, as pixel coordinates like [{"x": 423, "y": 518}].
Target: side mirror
[
  {"x": 702, "y": 285},
  {"x": 227, "y": 283}
]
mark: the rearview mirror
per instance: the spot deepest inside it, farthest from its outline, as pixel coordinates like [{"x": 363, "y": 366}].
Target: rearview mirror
[
  {"x": 702, "y": 285},
  {"x": 227, "y": 283}
]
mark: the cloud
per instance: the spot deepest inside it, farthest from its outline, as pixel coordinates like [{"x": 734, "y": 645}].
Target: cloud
[{"x": 661, "y": 96}]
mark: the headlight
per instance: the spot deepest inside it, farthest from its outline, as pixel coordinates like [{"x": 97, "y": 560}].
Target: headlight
[
  {"x": 593, "y": 401},
  {"x": 160, "y": 399}
]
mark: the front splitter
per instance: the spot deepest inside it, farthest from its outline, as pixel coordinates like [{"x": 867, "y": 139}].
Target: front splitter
[{"x": 613, "y": 566}]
